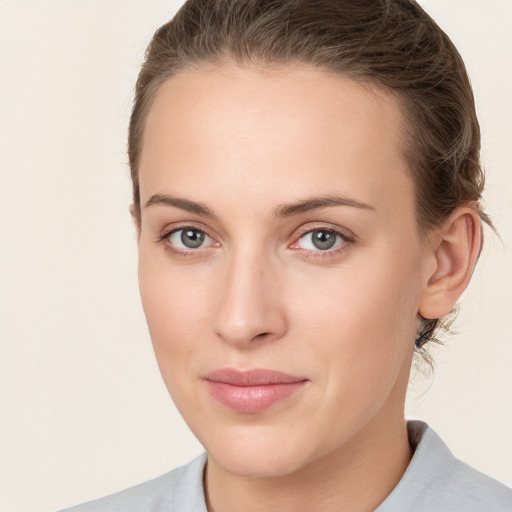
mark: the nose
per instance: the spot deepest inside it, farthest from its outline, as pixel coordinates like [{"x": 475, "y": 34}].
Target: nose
[{"x": 251, "y": 309}]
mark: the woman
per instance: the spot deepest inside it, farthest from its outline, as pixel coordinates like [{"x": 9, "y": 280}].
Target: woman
[{"x": 307, "y": 190}]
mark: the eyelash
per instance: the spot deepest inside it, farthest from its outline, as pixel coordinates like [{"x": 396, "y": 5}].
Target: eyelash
[
  {"x": 345, "y": 241},
  {"x": 183, "y": 253}
]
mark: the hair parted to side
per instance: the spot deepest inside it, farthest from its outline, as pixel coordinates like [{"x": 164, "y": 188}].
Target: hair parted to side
[{"x": 393, "y": 44}]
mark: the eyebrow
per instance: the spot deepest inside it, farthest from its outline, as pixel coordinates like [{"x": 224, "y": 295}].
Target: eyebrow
[
  {"x": 283, "y": 210},
  {"x": 316, "y": 203},
  {"x": 183, "y": 204}
]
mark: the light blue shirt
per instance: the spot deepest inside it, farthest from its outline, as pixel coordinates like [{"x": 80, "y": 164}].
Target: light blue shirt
[{"x": 435, "y": 481}]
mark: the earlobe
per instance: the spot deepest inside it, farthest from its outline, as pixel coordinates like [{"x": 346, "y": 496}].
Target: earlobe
[{"x": 455, "y": 249}]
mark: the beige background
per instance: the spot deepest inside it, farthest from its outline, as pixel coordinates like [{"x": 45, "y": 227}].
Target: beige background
[{"x": 82, "y": 407}]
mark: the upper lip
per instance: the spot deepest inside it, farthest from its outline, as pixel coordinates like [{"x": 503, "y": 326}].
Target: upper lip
[{"x": 255, "y": 377}]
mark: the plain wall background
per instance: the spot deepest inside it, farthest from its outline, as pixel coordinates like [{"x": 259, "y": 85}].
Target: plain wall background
[{"x": 83, "y": 410}]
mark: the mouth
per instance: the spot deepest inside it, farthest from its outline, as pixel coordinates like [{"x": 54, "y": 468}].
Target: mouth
[{"x": 252, "y": 391}]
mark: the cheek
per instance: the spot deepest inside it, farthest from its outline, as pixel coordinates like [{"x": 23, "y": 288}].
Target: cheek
[
  {"x": 176, "y": 314},
  {"x": 365, "y": 316},
  {"x": 361, "y": 338},
  {"x": 176, "y": 305}
]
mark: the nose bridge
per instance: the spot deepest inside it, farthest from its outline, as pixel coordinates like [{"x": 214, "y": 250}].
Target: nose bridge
[{"x": 249, "y": 308}]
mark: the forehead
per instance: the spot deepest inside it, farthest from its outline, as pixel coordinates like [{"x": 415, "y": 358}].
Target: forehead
[{"x": 293, "y": 128}]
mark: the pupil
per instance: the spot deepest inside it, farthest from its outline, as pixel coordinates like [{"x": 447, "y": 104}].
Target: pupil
[
  {"x": 192, "y": 238},
  {"x": 323, "y": 239}
]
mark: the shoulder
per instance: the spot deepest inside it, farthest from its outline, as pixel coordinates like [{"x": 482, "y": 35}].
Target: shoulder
[
  {"x": 179, "y": 490},
  {"x": 436, "y": 481},
  {"x": 477, "y": 488}
]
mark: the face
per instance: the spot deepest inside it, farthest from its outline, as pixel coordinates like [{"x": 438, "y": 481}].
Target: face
[{"x": 280, "y": 263}]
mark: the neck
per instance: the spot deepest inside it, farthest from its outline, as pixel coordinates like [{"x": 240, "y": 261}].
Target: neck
[{"x": 357, "y": 476}]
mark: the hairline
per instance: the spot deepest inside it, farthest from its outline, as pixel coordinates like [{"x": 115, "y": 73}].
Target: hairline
[{"x": 372, "y": 85}]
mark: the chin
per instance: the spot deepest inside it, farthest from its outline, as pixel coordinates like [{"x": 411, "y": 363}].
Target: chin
[
  {"x": 258, "y": 464},
  {"x": 260, "y": 452}
]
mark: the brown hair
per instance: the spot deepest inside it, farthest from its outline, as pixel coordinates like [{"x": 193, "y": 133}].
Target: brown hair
[{"x": 394, "y": 44}]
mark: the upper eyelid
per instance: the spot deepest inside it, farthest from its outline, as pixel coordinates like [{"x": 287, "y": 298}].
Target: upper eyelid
[
  {"x": 169, "y": 230},
  {"x": 345, "y": 233},
  {"x": 327, "y": 229}
]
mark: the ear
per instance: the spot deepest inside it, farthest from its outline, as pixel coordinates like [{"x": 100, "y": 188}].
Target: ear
[
  {"x": 136, "y": 220},
  {"x": 454, "y": 249}
]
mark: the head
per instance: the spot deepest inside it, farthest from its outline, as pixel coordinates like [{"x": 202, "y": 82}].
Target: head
[
  {"x": 394, "y": 45},
  {"x": 251, "y": 120}
]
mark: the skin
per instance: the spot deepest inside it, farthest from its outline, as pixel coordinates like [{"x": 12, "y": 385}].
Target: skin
[{"x": 242, "y": 142}]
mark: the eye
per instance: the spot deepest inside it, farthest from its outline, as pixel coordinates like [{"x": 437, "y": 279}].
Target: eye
[
  {"x": 320, "y": 240},
  {"x": 188, "y": 238}
]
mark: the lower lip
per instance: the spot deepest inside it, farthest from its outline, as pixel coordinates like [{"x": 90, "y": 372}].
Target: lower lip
[{"x": 252, "y": 399}]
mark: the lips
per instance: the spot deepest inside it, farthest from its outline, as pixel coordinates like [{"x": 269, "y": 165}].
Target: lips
[{"x": 254, "y": 390}]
